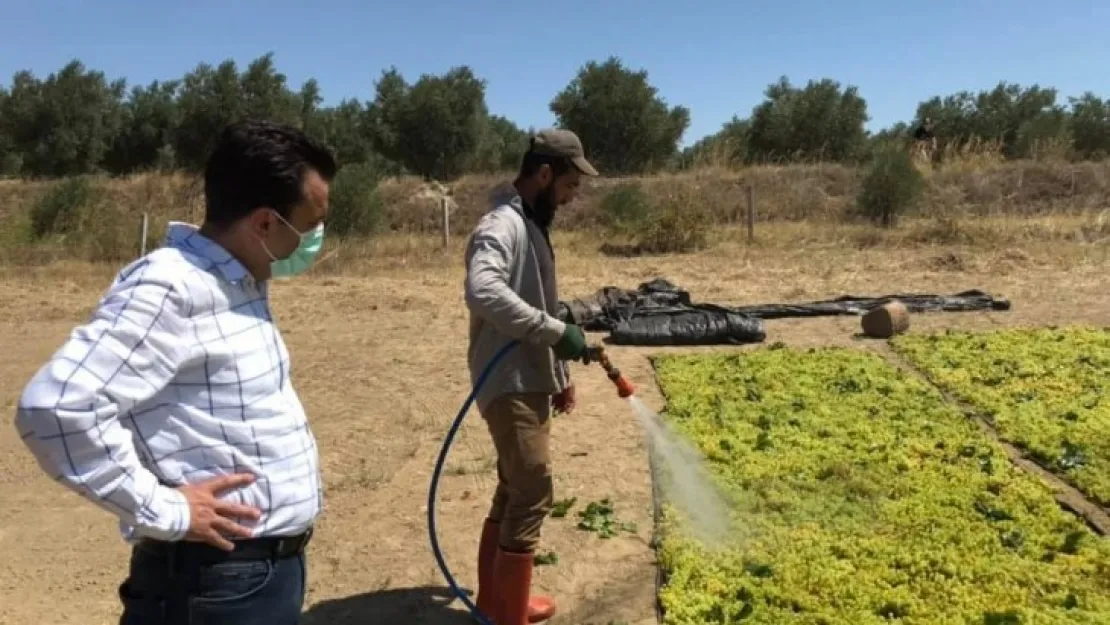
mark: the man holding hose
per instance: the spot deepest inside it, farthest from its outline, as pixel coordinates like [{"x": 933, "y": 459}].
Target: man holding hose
[{"x": 511, "y": 293}]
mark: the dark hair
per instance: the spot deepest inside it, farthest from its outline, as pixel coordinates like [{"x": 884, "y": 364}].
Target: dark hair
[
  {"x": 260, "y": 163},
  {"x": 531, "y": 163}
]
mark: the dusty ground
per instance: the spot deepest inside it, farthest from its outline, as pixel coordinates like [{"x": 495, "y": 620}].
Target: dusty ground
[{"x": 378, "y": 354}]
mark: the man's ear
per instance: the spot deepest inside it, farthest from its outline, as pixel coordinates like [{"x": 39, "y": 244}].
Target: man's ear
[
  {"x": 544, "y": 175},
  {"x": 260, "y": 221}
]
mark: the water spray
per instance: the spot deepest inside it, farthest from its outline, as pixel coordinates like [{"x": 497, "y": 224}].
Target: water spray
[
  {"x": 677, "y": 466},
  {"x": 597, "y": 354}
]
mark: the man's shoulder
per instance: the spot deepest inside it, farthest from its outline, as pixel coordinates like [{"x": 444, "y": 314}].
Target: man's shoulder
[
  {"x": 503, "y": 219},
  {"x": 500, "y": 228},
  {"x": 168, "y": 270},
  {"x": 166, "y": 265}
]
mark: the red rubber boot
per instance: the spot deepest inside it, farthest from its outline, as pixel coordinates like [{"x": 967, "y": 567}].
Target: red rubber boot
[
  {"x": 487, "y": 553},
  {"x": 513, "y": 576}
]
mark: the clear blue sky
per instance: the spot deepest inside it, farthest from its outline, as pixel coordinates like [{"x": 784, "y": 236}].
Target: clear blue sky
[{"x": 713, "y": 56}]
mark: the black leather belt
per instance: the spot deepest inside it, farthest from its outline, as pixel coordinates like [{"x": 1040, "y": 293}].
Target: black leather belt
[{"x": 263, "y": 548}]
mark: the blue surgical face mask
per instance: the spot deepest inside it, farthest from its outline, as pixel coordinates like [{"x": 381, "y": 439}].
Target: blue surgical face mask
[{"x": 302, "y": 257}]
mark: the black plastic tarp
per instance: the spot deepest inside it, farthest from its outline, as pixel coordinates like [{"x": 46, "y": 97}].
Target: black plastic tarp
[
  {"x": 964, "y": 301},
  {"x": 660, "y": 313}
]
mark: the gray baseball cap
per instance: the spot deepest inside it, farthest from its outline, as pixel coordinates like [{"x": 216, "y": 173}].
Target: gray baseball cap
[{"x": 561, "y": 142}]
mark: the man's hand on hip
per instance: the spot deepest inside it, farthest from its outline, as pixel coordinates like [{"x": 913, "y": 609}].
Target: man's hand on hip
[
  {"x": 210, "y": 517},
  {"x": 572, "y": 345}
]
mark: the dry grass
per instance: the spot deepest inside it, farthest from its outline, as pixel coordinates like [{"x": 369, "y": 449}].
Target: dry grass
[
  {"x": 975, "y": 183},
  {"x": 1068, "y": 199}
]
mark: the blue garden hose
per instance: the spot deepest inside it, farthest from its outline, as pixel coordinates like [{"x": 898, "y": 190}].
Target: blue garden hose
[{"x": 477, "y": 614}]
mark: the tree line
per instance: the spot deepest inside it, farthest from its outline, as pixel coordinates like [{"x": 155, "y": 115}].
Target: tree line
[{"x": 79, "y": 121}]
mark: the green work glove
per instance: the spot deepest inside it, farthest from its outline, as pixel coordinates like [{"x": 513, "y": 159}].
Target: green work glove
[{"x": 571, "y": 345}]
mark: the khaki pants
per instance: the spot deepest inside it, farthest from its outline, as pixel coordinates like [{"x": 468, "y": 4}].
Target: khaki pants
[{"x": 520, "y": 425}]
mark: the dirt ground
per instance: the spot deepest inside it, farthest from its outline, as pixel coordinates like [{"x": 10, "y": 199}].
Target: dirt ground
[{"x": 379, "y": 359}]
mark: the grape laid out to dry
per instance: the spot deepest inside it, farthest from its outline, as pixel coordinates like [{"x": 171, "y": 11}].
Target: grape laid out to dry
[
  {"x": 860, "y": 496},
  {"x": 1045, "y": 390}
]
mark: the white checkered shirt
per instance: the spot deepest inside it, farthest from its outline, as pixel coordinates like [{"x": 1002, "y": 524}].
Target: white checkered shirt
[{"x": 180, "y": 375}]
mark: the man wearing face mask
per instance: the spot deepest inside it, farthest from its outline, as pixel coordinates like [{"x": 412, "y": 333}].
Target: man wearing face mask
[
  {"x": 172, "y": 407},
  {"x": 511, "y": 293}
]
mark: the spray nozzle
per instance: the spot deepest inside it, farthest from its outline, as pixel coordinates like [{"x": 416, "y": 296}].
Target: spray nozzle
[
  {"x": 596, "y": 353},
  {"x": 593, "y": 353}
]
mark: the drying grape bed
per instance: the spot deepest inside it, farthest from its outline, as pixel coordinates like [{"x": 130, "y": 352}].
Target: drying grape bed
[
  {"x": 1045, "y": 390},
  {"x": 861, "y": 496}
]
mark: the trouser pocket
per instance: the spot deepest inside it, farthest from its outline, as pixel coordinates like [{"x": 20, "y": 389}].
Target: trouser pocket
[
  {"x": 231, "y": 581},
  {"x": 248, "y": 592}
]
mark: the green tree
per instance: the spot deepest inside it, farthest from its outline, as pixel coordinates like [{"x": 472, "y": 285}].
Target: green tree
[
  {"x": 625, "y": 126},
  {"x": 818, "y": 122},
  {"x": 891, "y": 186},
  {"x": 309, "y": 98},
  {"x": 344, "y": 128},
  {"x": 502, "y": 145},
  {"x": 11, "y": 161},
  {"x": 265, "y": 94},
  {"x": 1090, "y": 126},
  {"x": 728, "y": 146},
  {"x": 433, "y": 127},
  {"x": 78, "y": 121},
  {"x": 1019, "y": 118},
  {"x": 63, "y": 125},
  {"x": 210, "y": 99},
  {"x": 151, "y": 119}
]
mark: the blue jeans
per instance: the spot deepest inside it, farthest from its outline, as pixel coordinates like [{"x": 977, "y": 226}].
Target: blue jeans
[{"x": 182, "y": 588}]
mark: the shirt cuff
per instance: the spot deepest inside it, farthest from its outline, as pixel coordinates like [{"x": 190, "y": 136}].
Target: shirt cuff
[
  {"x": 552, "y": 330},
  {"x": 166, "y": 518}
]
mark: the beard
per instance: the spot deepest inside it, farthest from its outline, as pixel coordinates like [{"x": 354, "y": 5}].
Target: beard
[{"x": 543, "y": 212}]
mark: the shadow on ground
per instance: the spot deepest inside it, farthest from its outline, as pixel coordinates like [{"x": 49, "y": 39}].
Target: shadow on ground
[{"x": 428, "y": 605}]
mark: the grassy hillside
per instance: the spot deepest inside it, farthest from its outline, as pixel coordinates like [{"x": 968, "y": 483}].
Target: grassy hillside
[{"x": 963, "y": 202}]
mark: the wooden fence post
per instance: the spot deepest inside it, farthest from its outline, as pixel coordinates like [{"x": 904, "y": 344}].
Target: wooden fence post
[
  {"x": 446, "y": 220},
  {"x": 751, "y": 213},
  {"x": 143, "y": 223}
]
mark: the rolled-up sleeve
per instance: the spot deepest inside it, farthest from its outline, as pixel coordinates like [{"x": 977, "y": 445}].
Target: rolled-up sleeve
[{"x": 68, "y": 414}]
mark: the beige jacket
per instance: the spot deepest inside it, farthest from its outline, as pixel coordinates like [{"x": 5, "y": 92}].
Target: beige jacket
[{"x": 511, "y": 293}]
